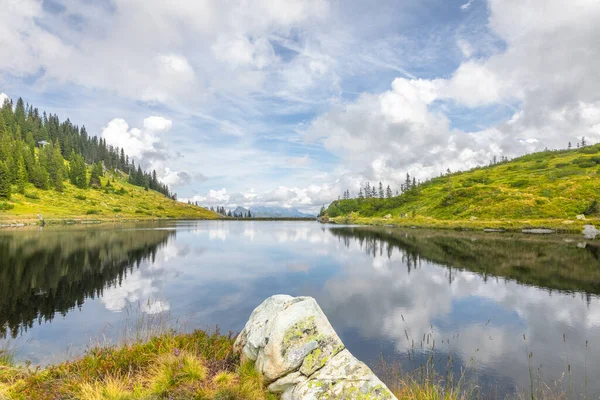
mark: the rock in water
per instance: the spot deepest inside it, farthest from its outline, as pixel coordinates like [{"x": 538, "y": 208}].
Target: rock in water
[
  {"x": 298, "y": 352},
  {"x": 590, "y": 232}
]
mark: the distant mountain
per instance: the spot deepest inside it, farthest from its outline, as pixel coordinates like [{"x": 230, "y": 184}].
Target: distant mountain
[
  {"x": 272, "y": 212},
  {"x": 278, "y": 212},
  {"x": 240, "y": 211}
]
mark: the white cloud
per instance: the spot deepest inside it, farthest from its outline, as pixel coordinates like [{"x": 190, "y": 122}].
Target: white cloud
[
  {"x": 3, "y": 98},
  {"x": 465, "y": 48},
  {"x": 134, "y": 141},
  {"x": 146, "y": 146},
  {"x": 467, "y": 5},
  {"x": 157, "y": 124}
]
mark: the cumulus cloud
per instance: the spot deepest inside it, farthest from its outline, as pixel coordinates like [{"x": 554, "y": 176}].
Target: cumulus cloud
[
  {"x": 146, "y": 146},
  {"x": 3, "y": 98},
  {"x": 406, "y": 128}
]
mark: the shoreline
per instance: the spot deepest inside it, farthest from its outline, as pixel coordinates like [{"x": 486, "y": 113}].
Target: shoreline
[
  {"x": 528, "y": 226},
  {"x": 20, "y": 223}
]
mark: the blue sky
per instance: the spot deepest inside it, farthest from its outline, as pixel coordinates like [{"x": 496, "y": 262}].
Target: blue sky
[{"x": 292, "y": 102}]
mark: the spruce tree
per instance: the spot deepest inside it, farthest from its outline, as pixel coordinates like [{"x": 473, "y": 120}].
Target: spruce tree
[
  {"x": 78, "y": 171},
  {"x": 97, "y": 172},
  {"x": 22, "y": 176},
  {"x": 4, "y": 181}
]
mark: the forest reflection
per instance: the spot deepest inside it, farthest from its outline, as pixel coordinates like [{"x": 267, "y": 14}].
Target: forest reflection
[
  {"x": 45, "y": 274},
  {"x": 553, "y": 262}
]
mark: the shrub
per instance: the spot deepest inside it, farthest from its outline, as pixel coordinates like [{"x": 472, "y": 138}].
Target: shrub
[
  {"x": 586, "y": 162},
  {"x": 117, "y": 209},
  {"x": 590, "y": 149},
  {"x": 80, "y": 197},
  {"x": 160, "y": 208},
  {"x": 5, "y": 206},
  {"x": 561, "y": 165},
  {"x": 92, "y": 211},
  {"x": 33, "y": 196},
  {"x": 592, "y": 208},
  {"x": 520, "y": 183}
]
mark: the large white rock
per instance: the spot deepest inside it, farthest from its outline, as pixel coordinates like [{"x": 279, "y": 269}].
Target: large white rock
[
  {"x": 343, "y": 377},
  {"x": 590, "y": 232},
  {"x": 298, "y": 352},
  {"x": 255, "y": 334}
]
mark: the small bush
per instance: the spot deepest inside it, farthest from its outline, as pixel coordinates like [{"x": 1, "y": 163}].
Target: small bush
[
  {"x": 561, "y": 165},
  {"x": 117, "y": 209},
  {"x": 520, "y": 183},
  {"x": 590, "y": 149},
  {"x": 592, "y": 208},
  {"x": 160, "y": 208},
  {"x": 33, "y": 196},
  {"x": 121, "y": 191},
  {"x": 586, "y": 162},
  {"x": 92, "y": 212},
  {"x": 80, "y": 197},
  {"x": 5, "y": 206}
]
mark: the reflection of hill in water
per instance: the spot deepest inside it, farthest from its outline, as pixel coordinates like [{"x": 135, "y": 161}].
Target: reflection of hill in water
[
  {"x": 552, "y": 262},
  {"x": 54, "y": 271}
]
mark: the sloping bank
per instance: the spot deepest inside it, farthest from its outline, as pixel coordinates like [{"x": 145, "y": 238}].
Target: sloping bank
[{"x": 287, "y": 350}]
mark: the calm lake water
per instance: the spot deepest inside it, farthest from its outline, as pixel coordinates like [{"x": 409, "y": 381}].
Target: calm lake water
[{"x": 400, "y": 295}]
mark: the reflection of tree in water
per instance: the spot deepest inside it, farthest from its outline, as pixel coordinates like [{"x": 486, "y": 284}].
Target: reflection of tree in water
[
  {"x": 42, "y": 274},
  {"x": 554, "y": 262}
]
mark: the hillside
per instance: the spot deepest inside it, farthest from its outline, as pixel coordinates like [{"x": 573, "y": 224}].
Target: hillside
[
  {"x": 549, "y": 188},
  {"x": 120, "y": 200}
]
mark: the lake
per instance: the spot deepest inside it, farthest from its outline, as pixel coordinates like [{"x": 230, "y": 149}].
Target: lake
[{"x": 499, "y": 305}]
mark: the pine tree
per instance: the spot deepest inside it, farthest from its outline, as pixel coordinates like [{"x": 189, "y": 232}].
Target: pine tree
[
  {"x": 78, "y": 171},
  {"x": 97, "y": 173},
  {"x": 388, "y": 192},
  {"x": 22, "y": 176},
  {"x": 39, "y": 176},
  {"x": 360, "y": 194},
  {"x": 381, "y": 190},
  {"x": 5, "y": 189},
  {"x": 407, "y": 182}
]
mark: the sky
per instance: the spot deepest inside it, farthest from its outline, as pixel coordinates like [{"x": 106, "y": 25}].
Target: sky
[{"x": 290, "y": 103}]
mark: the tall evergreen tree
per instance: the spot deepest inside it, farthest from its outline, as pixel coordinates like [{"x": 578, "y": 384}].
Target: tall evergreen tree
[
  {"x": 97, "y": 173},
  {"x": 5, "y": 189},
  {"x": 78, "y": 171},
  {"x": 22, "y": 176}
]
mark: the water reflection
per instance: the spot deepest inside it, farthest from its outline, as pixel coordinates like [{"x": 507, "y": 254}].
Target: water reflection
[
  {"x": 384, "y": 290},
  {"x": 45, "y": 273},
  {"x": 476, "y": 295}
]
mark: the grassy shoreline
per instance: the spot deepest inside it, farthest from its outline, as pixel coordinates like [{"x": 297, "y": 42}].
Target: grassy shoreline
[
  {"x": 196, "y": 365},
  {"x": 171, "y": 365},
  {"x": 558, "y": 225}
]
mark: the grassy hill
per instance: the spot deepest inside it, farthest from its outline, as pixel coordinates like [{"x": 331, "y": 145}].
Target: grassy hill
[
  {"x": 549, "y": 188},
  {"x": 120, "y": 200}
]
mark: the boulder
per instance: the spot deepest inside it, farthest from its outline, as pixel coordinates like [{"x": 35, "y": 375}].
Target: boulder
[
  {"x": 590, "y": 232},
  {"x": 298, "y": 352},
  {"x": 388, "y": 216},
  {"x": 580, "y": 217}
]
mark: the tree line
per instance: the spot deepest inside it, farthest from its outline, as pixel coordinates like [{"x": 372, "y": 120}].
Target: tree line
[{"x": 34, "y": 147}]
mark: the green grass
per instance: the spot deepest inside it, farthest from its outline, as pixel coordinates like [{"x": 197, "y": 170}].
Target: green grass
[
  {"x": 196, "y": 365},
  {"x": 121, "y": 201},
  {"x": 546, "y": 188}
]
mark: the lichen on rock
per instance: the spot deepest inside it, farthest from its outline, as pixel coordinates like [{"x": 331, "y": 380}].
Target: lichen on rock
[{"x": 299, "y": 353}]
